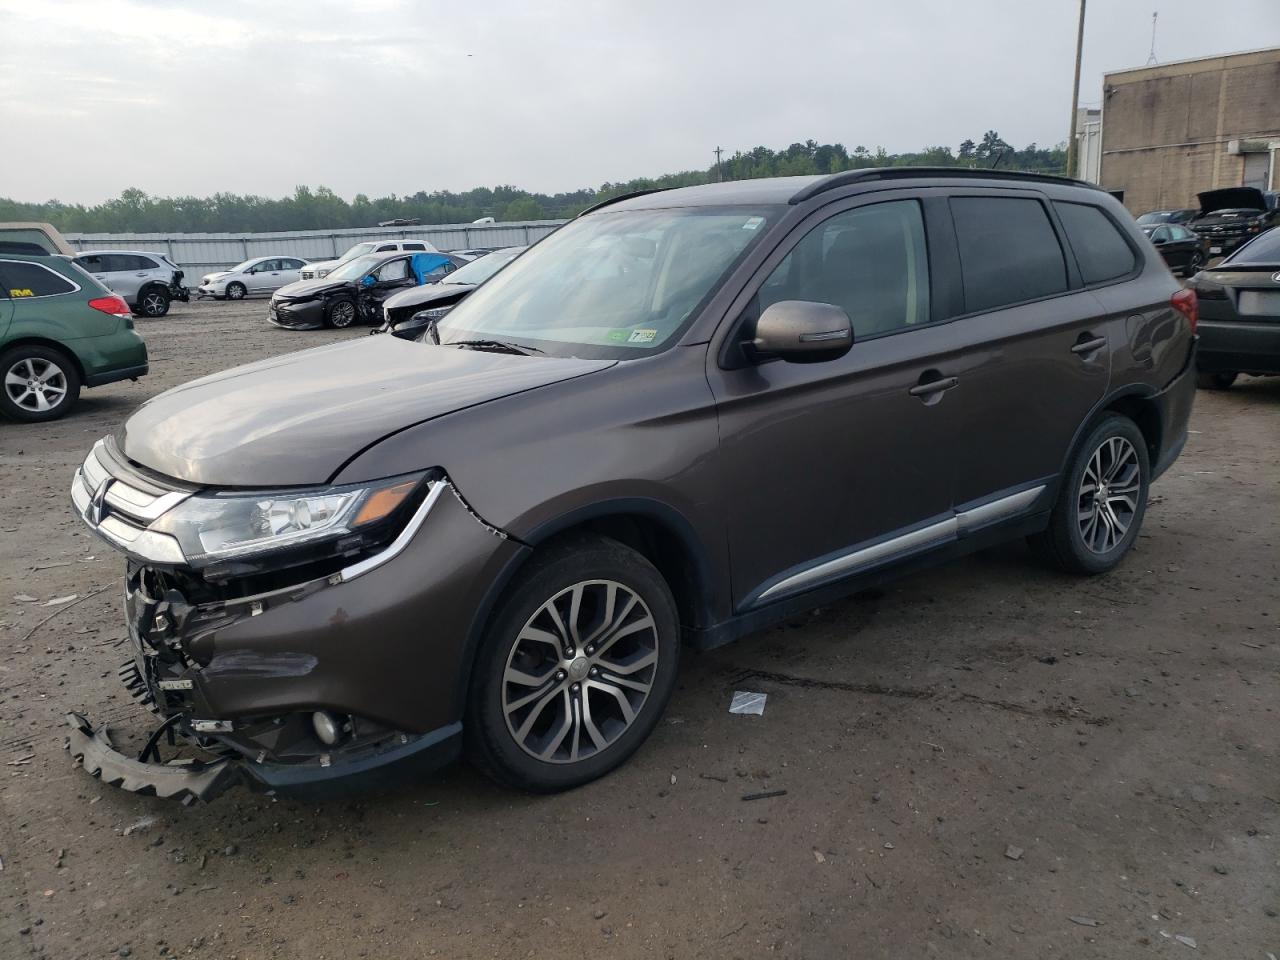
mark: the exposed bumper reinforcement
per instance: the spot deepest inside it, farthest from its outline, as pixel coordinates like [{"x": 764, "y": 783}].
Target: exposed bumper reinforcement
[{"x": 186, "y": 781}]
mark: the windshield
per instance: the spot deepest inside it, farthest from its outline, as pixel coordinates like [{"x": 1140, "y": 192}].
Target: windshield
[
  {"x": 358, "y": 250},
  {"x": 354, "y": 269},
  {"x": 482, "y": 268},
  {"x": 1264, "y": 249},
  {"x": 242, "y": 267},
  {"x": 610, "y": 285}
]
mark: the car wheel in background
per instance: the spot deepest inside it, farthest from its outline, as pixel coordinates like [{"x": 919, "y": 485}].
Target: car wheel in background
[
  {"x": 37, "y": 383},
  {"x": 1195, "y": 264},
  {"x": 153, "y": 302},
  {"x": 340, "y": 313},
  {"x": 575, "y": 667},
  {"x": 1101, "y": 502},
  {"x": 236, "y": 291},
  {"x": 1215, "y": 381}
]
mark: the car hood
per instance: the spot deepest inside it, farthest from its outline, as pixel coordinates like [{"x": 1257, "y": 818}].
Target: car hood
[
  {"x": 294, "y": 420},
  {"x": 301, "y": 289},
  {"x": 1231, "y": 198},
  {"x": 216, "y": 275},
  {"x": 321, "y": 265},
  {"x": 427, "y": 293}
]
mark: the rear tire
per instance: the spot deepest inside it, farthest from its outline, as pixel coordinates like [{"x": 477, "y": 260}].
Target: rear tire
[
  {"x": 1101, "y": 502},
  {"x": 154, "y": 302},
  {"x": 37, "y": 383},
  {"x": 1215, "y": 381},
  {"x": 554, "y": 701}
]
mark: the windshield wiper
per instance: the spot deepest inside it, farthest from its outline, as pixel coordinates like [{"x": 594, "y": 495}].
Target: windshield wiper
[{"x": 495, "y": 346}]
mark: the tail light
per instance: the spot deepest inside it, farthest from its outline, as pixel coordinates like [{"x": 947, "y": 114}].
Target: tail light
[
  {"x": 112, "y": 305},
  {"x": 1184, "y": 301}
]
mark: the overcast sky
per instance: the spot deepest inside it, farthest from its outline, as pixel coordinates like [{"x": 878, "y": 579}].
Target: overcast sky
[{"x": 396, "y": 96}]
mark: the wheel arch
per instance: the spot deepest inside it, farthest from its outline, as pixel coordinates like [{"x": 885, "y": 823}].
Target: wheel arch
[
  {"x": 35, "y": 341},
  {"x": 1138, "y": 403}
]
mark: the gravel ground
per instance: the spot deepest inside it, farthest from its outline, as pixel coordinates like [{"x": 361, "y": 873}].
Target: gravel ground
[{"x": 987, "y": 759}]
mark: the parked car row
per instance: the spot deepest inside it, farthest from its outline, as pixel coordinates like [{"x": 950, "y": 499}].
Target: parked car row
[{"x": 1225, "y": 220}]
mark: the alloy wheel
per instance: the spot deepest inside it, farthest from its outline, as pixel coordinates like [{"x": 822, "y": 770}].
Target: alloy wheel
[
  {"x": 35, "y": 384},
  {"x": 235, "y": 292},
  {"x": 580, "y": 671},
  {"x": 153, "y": 305},
  {"x": 344, "y": 314},
  {"x": 1108, "y": 495}
]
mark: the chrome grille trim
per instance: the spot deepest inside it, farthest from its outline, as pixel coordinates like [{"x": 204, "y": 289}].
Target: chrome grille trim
[{"x": 120, "y": 513}]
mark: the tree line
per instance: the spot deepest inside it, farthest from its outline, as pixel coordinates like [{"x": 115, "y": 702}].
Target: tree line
[{"x": 135, "y": 211}]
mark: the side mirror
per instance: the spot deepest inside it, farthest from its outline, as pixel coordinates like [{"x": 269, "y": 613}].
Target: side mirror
[
  {"x": 1160, "y": 242},
  {"x": 802, "y": 331},
  {"x": 367, "y": 280}
]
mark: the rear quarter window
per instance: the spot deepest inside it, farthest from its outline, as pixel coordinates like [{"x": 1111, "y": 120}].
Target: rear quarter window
[
  {"x": 26, "y": 280},
  {"x": 1009, "y": 252},
  {"x": 1100, "y": 248}
]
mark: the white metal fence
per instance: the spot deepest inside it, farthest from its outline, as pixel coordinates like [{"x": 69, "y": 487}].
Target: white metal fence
[{"x": 198, "y": 253}]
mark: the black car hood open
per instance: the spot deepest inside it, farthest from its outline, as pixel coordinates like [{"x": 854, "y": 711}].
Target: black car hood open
[
  {"x": 1231, "y": 198},
  {"x": 426, "y": 294},
  {"x": 294, "y": 420}
]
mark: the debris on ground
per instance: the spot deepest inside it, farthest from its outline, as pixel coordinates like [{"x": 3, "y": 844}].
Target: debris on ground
[
  {"x": 747, "y": 702},
  {"x": 765, "y": 795},
  {"x": 146, "y": 823},
  {"x": 1186, "y": 941},
  {"x": 1013, "y": 853},
  {"x": 1086, "y": 921},
  {"x": 59, "y": 601},
  {"x": 817, "y": 855},
  {"x": 25, "y": 598}
]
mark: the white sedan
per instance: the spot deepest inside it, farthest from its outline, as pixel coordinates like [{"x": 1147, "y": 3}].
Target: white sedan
[{"x": 259, "y": 275}]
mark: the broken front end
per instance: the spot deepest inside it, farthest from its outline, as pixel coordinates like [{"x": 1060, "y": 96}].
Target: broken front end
[{"x": 293, "y": 640}]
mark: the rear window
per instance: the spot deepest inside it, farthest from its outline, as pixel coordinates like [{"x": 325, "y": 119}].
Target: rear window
[
  {"x": 1099, "y": 246},
  {"x": 415, "y": 246},
  {"x": 23, "y": 280},
  {"x": 1008, "y": 251},
  {"x": 1262, "y": 249}
]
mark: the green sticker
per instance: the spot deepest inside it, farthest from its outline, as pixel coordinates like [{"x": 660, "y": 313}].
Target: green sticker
[
  {"x": 617, "y": 336},
  {"x": 642, "y": 336}
]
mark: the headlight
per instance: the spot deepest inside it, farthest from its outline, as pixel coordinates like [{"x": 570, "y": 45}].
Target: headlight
[
  {"x": 224, "y": 526},
  {"x": 434, "y": 314}
]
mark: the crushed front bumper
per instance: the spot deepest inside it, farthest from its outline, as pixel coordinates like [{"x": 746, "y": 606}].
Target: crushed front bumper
[{"x": 186, "y": 781}]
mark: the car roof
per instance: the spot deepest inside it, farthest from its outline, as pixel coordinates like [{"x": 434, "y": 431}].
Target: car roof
[
  {"x": 795, "y": 190},
  {"x": 145, "y": 253}
]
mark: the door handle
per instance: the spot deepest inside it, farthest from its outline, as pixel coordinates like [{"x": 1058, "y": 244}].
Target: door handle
[
  {"x": 931, "y": 387},
  {"x": 1089, "y": 346}
]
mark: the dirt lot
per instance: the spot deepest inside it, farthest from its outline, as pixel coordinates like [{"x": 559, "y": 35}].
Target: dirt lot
[{"x": 986, "y": 760}]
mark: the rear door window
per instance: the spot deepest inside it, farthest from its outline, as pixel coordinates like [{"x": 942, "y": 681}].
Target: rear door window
[
  {"x": 26, "y": 280},
  {"x": 1009, "y": 252},
  {"x": 1099, "y": 246}
]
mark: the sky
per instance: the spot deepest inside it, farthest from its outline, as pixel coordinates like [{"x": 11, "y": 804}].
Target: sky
[{"x": 397, "y": 96}]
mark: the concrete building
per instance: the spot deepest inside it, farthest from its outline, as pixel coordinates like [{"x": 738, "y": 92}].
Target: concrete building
[
  {"x": 1172, "y": 130},
  {"x": 1088, "y": 144}
]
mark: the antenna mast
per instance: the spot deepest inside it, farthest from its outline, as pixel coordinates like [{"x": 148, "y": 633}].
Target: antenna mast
[{"x": 1151, "y": 59}]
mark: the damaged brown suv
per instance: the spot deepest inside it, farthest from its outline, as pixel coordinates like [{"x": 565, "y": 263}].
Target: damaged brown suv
[{"x": 679, "y": 418}]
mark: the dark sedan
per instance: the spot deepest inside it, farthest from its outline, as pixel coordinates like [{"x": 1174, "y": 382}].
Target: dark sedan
[
  {"x": 407, "y": 313},
  {"x": 1240, "y": 313},
  {"x": 355, "y": 291},
  {"x": 1184, "y": 250}
]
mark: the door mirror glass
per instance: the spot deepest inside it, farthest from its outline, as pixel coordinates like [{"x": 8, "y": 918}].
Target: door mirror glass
[{"x": 803, "y": 331}]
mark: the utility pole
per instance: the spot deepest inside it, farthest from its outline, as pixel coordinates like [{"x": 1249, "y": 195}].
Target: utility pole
[
  {"x": 1075, "y": 96},
  {"x": 719, "y": 175}
]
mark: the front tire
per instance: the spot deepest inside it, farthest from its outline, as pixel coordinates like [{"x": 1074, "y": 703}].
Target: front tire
[
  {"x": 575, "y": 667},
  {"x": 1101, "y": 502},
  {"x": 153, "y": 303},
  {"x": 1215, "y": 381},
  {"x": 236, "y": 291},
  {"x": 37, "y": 383},
  {"x": 340, "y": 314}
]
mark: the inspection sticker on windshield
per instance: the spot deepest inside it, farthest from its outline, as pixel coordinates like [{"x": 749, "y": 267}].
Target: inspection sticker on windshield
[
  {"x": 642, "y": 336},
  {"x": 752, "y": 223}
]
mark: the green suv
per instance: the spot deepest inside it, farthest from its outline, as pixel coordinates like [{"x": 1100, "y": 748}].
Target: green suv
[{"x": 60, "y": 330}]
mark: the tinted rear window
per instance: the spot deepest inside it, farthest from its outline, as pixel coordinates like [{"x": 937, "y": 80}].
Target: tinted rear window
[
  {"x": 1008, "y": 251},
  {"x": 22, "y": 280},
  {"x": 1099, "y": 246},
  {"x": 1263, "y": 249}
]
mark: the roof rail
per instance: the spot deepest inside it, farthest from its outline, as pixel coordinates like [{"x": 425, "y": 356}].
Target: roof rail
[
  {"x": 619, "y": 198},
  {"x": 847, "y": 177}
]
